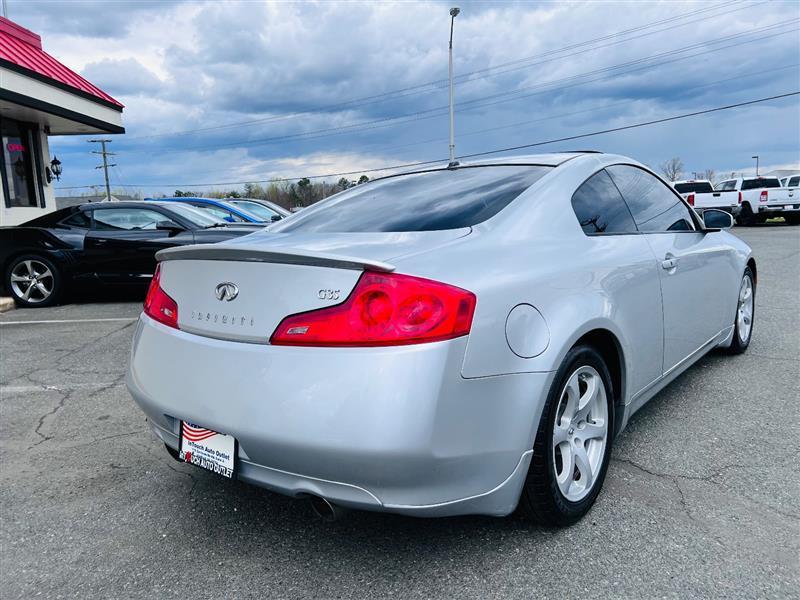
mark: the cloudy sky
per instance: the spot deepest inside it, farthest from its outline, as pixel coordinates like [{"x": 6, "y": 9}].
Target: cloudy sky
[{"x": 242, "y": 91}]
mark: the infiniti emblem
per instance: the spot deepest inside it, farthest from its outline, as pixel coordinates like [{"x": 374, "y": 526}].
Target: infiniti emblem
[{"x": 226, "y": 291}]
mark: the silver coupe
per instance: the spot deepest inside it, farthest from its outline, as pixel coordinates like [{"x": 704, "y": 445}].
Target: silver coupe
[{"x": 457, "y": 340}]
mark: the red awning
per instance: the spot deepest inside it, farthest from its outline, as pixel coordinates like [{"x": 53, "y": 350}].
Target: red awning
[{"x": 21, "y": 49}]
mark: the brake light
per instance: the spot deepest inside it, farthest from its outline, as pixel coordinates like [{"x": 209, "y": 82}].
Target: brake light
[
  {"x": 384, "y": 309},
  {"x": 740, "y": 197},
  {"x": 690, "y": 199},
  {"x": 158, "y": 305},
  {"x": 764, "y": 196}
]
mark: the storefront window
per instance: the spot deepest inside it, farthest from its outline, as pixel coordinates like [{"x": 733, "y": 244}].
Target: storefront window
[{"x": 19, "y": 163}]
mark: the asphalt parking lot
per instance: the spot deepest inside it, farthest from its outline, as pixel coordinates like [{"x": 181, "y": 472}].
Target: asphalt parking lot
[{"x": 701, "y": 498}]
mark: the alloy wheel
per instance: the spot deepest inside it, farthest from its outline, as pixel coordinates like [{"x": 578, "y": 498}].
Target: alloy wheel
[
  {"x": 580, "y": 433},
  {"x": 32, "y": 281},
  {"x": 744, "y": 312}
]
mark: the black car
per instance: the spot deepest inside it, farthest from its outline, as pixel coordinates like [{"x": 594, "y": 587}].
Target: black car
[{"x": 106, "y": 243}]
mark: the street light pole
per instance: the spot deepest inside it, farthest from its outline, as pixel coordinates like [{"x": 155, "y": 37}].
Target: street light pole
[
  {"x": 756, "y": 157},
  {"x": 453, "y": 14}
]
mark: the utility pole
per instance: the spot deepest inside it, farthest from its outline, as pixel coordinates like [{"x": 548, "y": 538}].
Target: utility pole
[
  {"x": 5, "y": 9},
  {"x": 105, "y": 164},
  {"x": 453, "y": 14},
  {"x": 756, "y": 157}
]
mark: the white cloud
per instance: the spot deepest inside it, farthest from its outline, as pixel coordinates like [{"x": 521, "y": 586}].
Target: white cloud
[{"x": 181, "y": 66}]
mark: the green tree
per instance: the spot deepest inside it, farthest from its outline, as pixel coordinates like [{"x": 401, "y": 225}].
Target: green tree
[{"x": 363, "y": 179}]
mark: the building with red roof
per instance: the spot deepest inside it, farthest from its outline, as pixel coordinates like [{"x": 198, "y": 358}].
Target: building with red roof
[{"x": 40, "y": 97}]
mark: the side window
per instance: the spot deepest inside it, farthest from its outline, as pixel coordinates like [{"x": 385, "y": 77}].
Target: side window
[
  {"x": 82, "y": 219},
  {"x": 794, "y": 182},
  {"x": 654, "y": 206},
  {"x": 726, "y": 186},
  {"x": 126, "y": 219},
  {"x": 600, "y": 208}
]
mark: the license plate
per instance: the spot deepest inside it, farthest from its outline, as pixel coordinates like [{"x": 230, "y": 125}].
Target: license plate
[{"x": 208, "y": 449}]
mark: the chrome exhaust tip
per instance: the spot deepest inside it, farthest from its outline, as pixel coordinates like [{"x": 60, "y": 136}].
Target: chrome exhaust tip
[{"x": 325, "y": 510}]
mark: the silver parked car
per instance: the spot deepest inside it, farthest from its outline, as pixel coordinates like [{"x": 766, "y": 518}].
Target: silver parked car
[{"x": 452, "y": 341}]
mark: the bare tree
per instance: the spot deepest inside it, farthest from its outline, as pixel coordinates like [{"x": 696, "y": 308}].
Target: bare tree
[
  {"x": 710, "y": 174},
  {"x": 672, "y": 168}
]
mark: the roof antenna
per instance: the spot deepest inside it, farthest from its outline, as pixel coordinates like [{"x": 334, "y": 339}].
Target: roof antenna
[{"x": 453, "y": 162}]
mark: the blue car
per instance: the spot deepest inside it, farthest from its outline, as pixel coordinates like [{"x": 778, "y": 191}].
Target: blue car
[{"x": 219, "y": 208}]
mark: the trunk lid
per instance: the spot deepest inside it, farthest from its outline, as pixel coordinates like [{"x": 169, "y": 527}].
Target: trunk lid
[{"x": 241, "y": 289}]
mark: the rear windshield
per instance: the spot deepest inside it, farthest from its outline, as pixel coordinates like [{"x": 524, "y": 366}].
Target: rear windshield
[
  {"x": 761, "y": 182},
  {"x": 435, "y": 200},
  {"x": 694, "y": 186}
]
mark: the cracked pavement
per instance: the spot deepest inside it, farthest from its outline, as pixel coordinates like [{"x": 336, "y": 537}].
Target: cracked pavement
[{"x": 701, "y": 498}]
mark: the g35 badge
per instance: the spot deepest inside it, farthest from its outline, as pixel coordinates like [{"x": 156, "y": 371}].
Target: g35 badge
[{"x": 328, "y": 294}]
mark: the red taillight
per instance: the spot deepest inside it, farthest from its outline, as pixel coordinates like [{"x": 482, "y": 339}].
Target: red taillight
[
  {"x": 158, "y": 305},
  {"x": 384, "y": 309},
  {"x": 690, "y": 199},
  {"x": 740, "y": 197},
  {"x": 764, "y": 196}
]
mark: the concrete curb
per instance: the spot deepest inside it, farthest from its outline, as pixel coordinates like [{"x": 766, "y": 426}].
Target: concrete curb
[{"x": 6, "y": 304}]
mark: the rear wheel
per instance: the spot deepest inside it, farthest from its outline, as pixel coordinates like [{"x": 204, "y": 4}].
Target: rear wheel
[
  {"x": 33, "y": 281},
  {"x": 573, "y": 442},
  {"x": 746, "y": 216},
  {"x": 745, "y": 314},
  {"x": 792, "y": 219}
]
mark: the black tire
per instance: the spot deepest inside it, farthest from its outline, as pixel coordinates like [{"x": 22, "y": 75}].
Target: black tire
[
  {"x": 792, "y": 219},
  {"x": 542, "y": 499},
  {"x": 55, "y": 281},
  {"x": 739, "y": 346},
  {"x": 746, "y": 216}
]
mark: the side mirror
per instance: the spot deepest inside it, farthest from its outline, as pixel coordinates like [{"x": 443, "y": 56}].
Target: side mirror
[
  {"x": 276, "y": 218},
  {"x": 717, "y": 219},
  {"x": 170, "y": 226}
]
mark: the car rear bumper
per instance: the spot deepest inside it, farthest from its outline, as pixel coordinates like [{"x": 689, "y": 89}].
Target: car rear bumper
[
  {"x": 779, "y": 208},
  {"x": 395, "y": 429}
]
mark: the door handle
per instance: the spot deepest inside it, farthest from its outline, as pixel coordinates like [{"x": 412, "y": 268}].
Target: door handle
[{"x": 669, "y": 262}]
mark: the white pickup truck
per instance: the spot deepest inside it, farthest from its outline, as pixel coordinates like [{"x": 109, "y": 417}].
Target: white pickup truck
[
  {"x": 762, "y": 198},
  {"x": 700, "y": 194}
]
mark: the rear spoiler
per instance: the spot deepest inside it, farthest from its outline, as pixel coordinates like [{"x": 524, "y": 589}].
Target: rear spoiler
[{"x": 288, "y": 256}]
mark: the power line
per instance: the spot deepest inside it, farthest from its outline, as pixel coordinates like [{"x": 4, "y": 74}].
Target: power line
[
  {"x": 469, "y": 76},
  {"x": 502, "y": 97},
  {"x": 473, "y": 155},
  {"x": 737, "y": 77}
]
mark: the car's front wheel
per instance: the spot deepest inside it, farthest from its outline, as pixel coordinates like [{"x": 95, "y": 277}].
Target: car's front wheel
[
  {"x": 573, "y": 442},
  {"x": 33, "y": 281}
]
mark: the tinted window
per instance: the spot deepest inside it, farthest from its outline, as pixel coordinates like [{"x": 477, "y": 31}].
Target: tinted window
[
  {"x": 79, "y": 219},
  {"x": 701, "y": 187},
  {"x": 655, "y": 207},
  {"x": 761, "y": 182},
  {"x": 441, "y": 199},
  {"x": 108, "y": 219},
  {"x": 794, "y": 182},
  {"x": 600, "y": 208}
]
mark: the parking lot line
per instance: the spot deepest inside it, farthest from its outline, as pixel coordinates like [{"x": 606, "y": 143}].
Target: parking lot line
[{"x": 110, "y": 320}]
